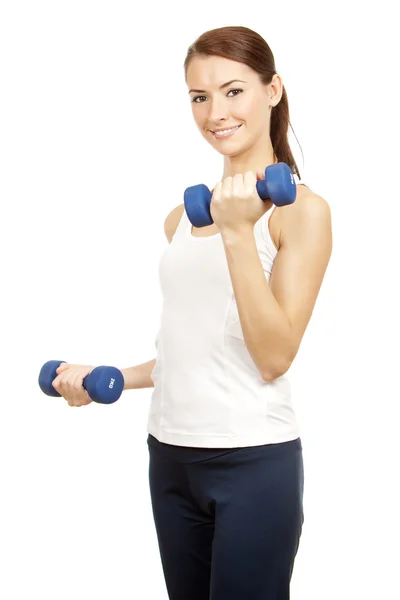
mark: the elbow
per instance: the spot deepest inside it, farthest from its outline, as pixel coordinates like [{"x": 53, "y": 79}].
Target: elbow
[
  {"x": 271, "y": 376},
  {"x": 279, "y": 364},
  {"x": 273, "y": 373}
]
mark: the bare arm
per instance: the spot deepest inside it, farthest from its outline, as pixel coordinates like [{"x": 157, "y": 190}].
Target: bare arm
[
  {"x": 274, "y": 316},
  {"x": 138, "y": 377}
]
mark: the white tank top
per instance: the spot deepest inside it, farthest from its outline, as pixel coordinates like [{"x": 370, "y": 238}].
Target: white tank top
[{"x": 208, "y": 391}]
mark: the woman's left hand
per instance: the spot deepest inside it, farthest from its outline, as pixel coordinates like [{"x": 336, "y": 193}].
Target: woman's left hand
[{"x": 235, "y": 203}]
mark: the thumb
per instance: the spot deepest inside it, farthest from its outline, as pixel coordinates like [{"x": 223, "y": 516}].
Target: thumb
[{"x": 62, "y": 368}]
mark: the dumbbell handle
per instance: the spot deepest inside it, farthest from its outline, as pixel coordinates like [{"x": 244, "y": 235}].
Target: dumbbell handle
[{"x": 104, "y": 384}]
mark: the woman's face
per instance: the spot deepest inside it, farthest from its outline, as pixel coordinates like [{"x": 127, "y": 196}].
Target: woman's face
[{"x": 245, "y": 103}]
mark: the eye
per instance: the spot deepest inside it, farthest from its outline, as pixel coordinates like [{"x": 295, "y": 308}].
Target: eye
[{"x": 234, "y": 90}]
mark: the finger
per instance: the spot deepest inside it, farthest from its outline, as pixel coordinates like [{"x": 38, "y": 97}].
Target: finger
[
  {"x": 57, "y": 383},
  {"x": 217, "y": 190},
  {"x": 65, "y": 380},
  {"x": 244, "y": 189},
  {"x": 238, "y": 185},
  {"x": 228, "y": 186},
  {"x": 77, "y": 388},
  {"x": 249, "y": 182}
]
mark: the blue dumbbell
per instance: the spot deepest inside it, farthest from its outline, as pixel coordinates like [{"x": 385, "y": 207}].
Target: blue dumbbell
[
  {"x": 279, "y": 186},
  {"x": 104, "y": 384}
]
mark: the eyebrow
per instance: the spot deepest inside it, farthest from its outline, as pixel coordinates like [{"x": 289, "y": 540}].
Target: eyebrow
[{"x": 221, "y": 86}]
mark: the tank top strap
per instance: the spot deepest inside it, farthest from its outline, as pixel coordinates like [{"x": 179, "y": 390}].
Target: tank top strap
[{"x": 262, "y": 226}]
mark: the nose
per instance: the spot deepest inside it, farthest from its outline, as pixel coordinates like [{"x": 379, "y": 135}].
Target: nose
[{"x": 218, "y": 112}]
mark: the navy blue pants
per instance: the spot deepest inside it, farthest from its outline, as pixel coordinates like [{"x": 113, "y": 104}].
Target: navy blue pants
[{"x": 228, "y": 520}]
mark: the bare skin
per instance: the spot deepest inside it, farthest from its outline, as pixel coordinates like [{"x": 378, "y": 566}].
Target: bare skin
[
  {"x": 248, "y": 103},
  {"x": 227, "y": 94},
  {"x": 274, "y": 223}
]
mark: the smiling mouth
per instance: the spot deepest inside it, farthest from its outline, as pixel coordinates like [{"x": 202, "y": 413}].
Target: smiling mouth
[
  {"x": 221, "y": 133},
  {"x": 225, "y": 129}
]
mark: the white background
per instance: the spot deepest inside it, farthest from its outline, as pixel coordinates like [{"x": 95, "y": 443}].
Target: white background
[{"x": 97, "y": 145}]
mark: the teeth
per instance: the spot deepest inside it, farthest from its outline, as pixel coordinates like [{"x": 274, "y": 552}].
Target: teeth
[{"x": 225, "y": 131}]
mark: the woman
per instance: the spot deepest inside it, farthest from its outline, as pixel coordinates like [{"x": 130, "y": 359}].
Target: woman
[{"x": 226, "y": 467}]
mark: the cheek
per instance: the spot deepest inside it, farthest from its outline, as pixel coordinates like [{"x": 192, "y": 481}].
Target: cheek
[
  {"x": 199, "y": 117},
  {"x": 241, "y": 112},
  {"x": 246, "y": 107},
  {"x": 250, "y": 110}
]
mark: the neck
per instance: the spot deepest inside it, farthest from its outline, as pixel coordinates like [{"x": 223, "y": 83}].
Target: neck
[{"x": 258, "y": 157}]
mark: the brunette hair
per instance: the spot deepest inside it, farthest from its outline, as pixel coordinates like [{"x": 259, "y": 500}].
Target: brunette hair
[{"x": 246, "y": 46}]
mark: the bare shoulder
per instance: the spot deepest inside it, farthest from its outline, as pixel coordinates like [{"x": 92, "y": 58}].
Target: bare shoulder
[
  {"x": 310, "y": 210},
  {"x": 172, "y": 220}
]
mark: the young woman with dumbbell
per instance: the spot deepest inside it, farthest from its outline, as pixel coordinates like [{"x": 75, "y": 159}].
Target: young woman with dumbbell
[{"x": 240, "y": 279}]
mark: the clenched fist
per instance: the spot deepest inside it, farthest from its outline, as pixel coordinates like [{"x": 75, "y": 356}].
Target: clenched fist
[{"x": 69, "y": 382}]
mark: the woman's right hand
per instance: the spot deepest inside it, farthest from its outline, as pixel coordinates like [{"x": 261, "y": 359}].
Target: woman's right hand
[{"x": 69, "y": 382}]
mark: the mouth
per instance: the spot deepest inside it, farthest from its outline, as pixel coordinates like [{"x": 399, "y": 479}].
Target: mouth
[{"x": 223, "y": 133}]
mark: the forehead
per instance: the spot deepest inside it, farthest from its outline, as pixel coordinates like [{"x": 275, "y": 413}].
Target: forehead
[{"x": 209, "y": 71}]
